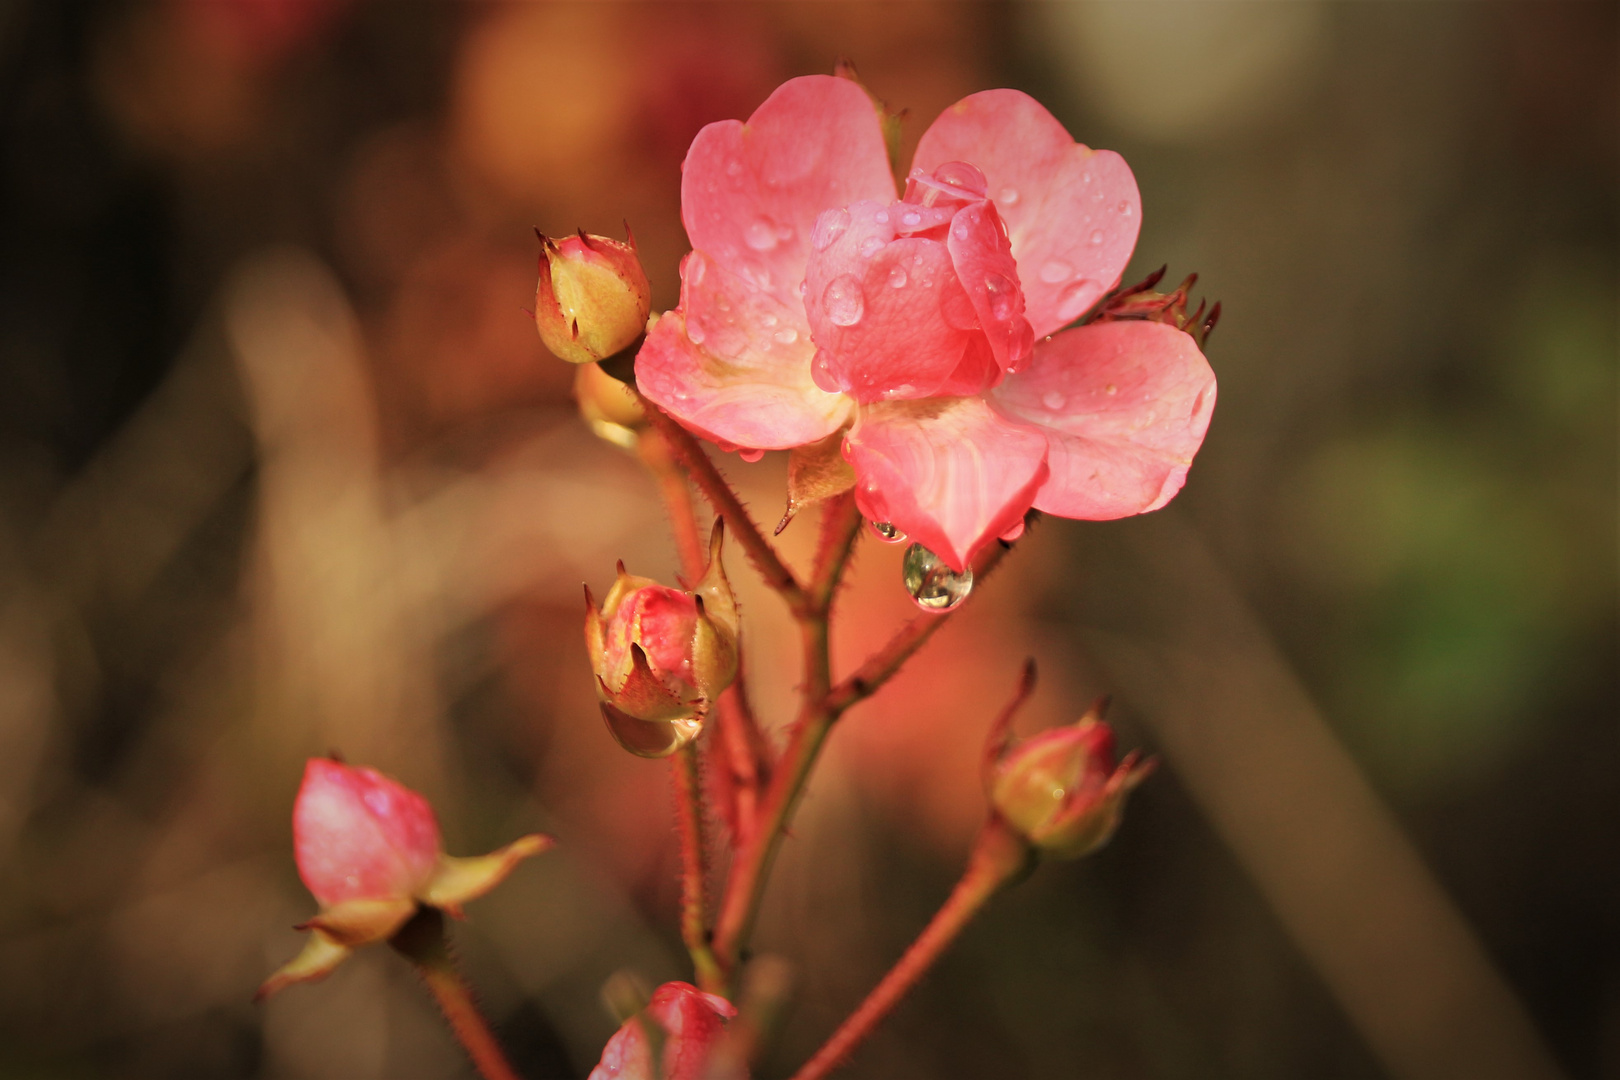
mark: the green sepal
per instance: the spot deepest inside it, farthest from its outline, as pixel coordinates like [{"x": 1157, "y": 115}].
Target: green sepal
[
  {"x": 456, "y": 881},
  {"x": 320, "y": 957},
  {"x": 354, "y": 923}
]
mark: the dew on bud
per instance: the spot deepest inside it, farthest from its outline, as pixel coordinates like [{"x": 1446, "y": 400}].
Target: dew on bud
[
  {"x": 887, "y": 532},
  {"x": 843, "y": 300},
  {"x": 933, "y": 585}
]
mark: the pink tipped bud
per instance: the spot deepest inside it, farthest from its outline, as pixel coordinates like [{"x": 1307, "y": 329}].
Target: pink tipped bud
[
  {"x": 358, "y": 835},
  {"x": 687, "y": 1022},
  {"x": 593, "y": 297},
  {"x": 1061, "y": 790},
  {"x": 662, "y": 655}
]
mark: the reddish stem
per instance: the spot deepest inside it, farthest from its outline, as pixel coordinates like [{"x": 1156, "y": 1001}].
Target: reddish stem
[
  {"x": 694, "y": 868},
  {"x": 422, "y": 942},
  {"x": 998, "y": 858},
  {"x": 725, "y": 501}
]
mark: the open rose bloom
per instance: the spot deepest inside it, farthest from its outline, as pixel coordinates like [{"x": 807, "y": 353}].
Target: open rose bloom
[{"x": 926, "y": 327}]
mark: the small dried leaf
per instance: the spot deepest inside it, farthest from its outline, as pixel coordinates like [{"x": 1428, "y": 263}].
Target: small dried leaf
[{"x": 816, "y": 471}]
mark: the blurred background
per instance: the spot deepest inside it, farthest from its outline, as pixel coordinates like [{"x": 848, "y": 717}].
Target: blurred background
[{"x": 284, "y": 469}]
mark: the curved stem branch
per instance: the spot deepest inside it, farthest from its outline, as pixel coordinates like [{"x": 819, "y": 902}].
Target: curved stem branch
[
  {"x": 998, "y": 858},
  {"x": 422, "y": 942},
  {"x": 725, "y": 501}
]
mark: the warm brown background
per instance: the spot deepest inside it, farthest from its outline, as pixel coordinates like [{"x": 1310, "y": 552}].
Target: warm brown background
[{"x": 283, "y": 468}]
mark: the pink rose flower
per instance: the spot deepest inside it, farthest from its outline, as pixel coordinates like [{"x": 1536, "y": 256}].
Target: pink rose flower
[
  {"x": 814, "y": 301},
  {"x": 689, "y": 1022}
]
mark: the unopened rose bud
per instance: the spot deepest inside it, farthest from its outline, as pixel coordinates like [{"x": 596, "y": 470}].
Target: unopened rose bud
[
  {"x": 593, "y": 297},
  {"x": 687, "y": 1023},
  {"x": 662, "y": 655},
  {"x": 609, "y": 407},
  {"x": 1061, "y": 790},
  {"x": 368, "y": 848}
]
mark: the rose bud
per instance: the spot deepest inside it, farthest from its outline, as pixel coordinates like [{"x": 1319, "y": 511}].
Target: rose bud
[
  {"x": 685, "y": 1021},
  {"x": 1061, "y": 791},
  {"x": 662, "y": 655},
  {"x": 609, "y": 407},
  {"x": 593, "y": 297},
  {"x": 368, "y": 849}
]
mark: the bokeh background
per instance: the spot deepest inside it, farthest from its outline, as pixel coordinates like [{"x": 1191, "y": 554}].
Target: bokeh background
[{"x": 284, "y": 468}]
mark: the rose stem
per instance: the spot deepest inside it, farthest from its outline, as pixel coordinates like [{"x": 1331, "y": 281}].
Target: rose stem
[
  {"x": 821, "y": 707},
  {"x": 422, "y": 942},
  {"x": 685, "y": 770},
  {"x": 719, "y": 493},
  {"x": 998, "y": 858}
]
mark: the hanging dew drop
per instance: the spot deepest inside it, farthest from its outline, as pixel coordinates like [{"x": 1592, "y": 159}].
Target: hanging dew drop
[
  {"x": 750, "y": 456},
  {"x": 888, "y": 533},
  {"x": 933, "y": 585}
]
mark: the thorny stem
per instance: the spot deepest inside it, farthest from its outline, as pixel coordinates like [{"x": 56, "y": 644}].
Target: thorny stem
[
  {"x": 840, "y": 527},
  {"x": 422, "y": 942},
  {"x": 725, "y": 501},
  {"x": 998, "y": 858},
  {"x": 685, "y": 768},
  {"x": 694, "y": 867}
]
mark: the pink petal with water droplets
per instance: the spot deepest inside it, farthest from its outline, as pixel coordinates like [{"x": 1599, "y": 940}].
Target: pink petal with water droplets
[
  {"x": 875, "y": 310},
  {"x": 760, "y": 396},
  {"x": 751, "y": 192},
  {"x": 952, "y": 474},
  {"x": 1124, "y": 405},
  {"x": 984, "y": 265},
  {"x": 1072, "y": 213},
  {"x": 358, "y": 835}
]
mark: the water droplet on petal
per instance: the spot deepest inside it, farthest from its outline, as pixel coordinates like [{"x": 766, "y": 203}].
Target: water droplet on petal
[
  {"x": 1110, "y": 389},
  {"x": 1056, "y": 271},
  {"x": 1003, "y": 298},
  {"x": 933, "y": 585},
  {"x": 733, "y": 167},
  {"x": 1007, "y": 196},
  {"x": 802, "y": 286},
  {"x": 881, "y": 217},
  {"x": 767, "y": 320},
  {"x": 911, "y": 219},
  {"x": 897, "y": 277},
  {"x": 888, "y": 533},
  {"x": 828, "y": 228},
  {"x": 785, "y": 336},
  {"x": 694, "y": 332},
  {"x": 870, "y": 246},
  {"x": 1053, "y": 400},
  {"x": 760, "y": 234},
  {"x": 843, "y": 300},
  {"x": 750, "y": 455},
  {"x": 1096, "y": 237},
  {"x": 1075, "y": 298},
  {"x": 1014, "y": 533},
  {"x": 1125, "y": 207}
]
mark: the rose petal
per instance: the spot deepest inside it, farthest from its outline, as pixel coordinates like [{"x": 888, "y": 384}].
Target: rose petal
[
  {"x": 750, "y": 193},
  {"x": 763, "y": 397},
  {"x": 985, "y": 267},
  {"x": 1072, "y": 213},
  {"x": 1124, "y": 406},
  {"x": 950, "y": 473},
  {"x": 875, "y": 305}
]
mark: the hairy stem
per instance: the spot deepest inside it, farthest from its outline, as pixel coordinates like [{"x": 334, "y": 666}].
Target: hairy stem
[
  {"x": 422, "y": 942},
  {"x": 725, "y": 501},
  {"x": 694, "y": 868},
  {"x": 998, "y": 858},
  {"x": 656, "y": 453}
]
